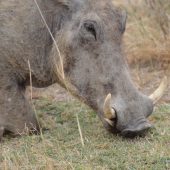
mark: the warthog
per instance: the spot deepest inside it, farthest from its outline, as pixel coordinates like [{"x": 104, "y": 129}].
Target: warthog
[{"x": 76, "y": 43}]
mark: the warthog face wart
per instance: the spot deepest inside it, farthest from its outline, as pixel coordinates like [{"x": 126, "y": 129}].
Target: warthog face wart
[{"x": 88, "y": 34}]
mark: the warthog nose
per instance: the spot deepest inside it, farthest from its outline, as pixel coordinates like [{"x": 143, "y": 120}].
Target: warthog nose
[{"x": 136, "y": 131}]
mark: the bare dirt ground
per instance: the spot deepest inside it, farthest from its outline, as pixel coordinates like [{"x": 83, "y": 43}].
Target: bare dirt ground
[{"x": 148, "y": 79}]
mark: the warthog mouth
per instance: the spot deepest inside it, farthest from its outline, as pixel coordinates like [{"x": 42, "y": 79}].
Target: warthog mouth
[
  {"x": 140, "y": 130},
  {"x": 111, "y": 115}
]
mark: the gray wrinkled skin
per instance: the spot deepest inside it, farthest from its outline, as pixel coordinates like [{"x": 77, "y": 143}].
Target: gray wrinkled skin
[{"x": 89, "y": 36}]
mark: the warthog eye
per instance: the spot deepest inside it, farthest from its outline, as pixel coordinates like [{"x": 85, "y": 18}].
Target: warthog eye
[{"x": 88, "y": 30}]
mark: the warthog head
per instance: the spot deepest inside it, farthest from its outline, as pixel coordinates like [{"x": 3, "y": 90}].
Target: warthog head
[{"x": 90, "y": 42}]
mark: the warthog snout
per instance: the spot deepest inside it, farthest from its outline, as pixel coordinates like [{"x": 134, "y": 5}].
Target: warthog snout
[{"x": 128, "y": 115}]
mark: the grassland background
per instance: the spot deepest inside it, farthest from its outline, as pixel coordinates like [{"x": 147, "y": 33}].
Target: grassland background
[
  {"x": 147, "y": 36},
  {"x": 59, "y": 147}
]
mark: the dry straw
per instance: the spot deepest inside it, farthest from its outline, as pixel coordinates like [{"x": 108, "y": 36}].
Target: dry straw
[
  {"x": 55, "y": 43},
  {"x": 60, "y": 70}
]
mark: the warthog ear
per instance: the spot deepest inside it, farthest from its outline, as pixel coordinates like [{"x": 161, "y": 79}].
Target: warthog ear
[{"x": 123, "y": 23}]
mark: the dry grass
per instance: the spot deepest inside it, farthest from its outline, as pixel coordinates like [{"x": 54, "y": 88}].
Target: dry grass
[{"x": 147, "y": 37}]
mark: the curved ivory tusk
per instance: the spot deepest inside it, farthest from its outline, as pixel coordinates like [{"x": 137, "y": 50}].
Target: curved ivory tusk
[
  {"x": 160, "y": 91},
  {"x": 109, "y": 122},
  {"x": 109, "y": 112}
]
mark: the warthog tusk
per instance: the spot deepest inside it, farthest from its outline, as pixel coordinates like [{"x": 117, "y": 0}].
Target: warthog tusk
[
  {"x": 159, "y": 91},
  {"x": 109, "y": 112},
  {"x": 109, "y": 122}
]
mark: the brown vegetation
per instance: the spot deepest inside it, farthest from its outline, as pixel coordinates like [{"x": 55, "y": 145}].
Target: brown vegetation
[{"x": 147, "y": 36}]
